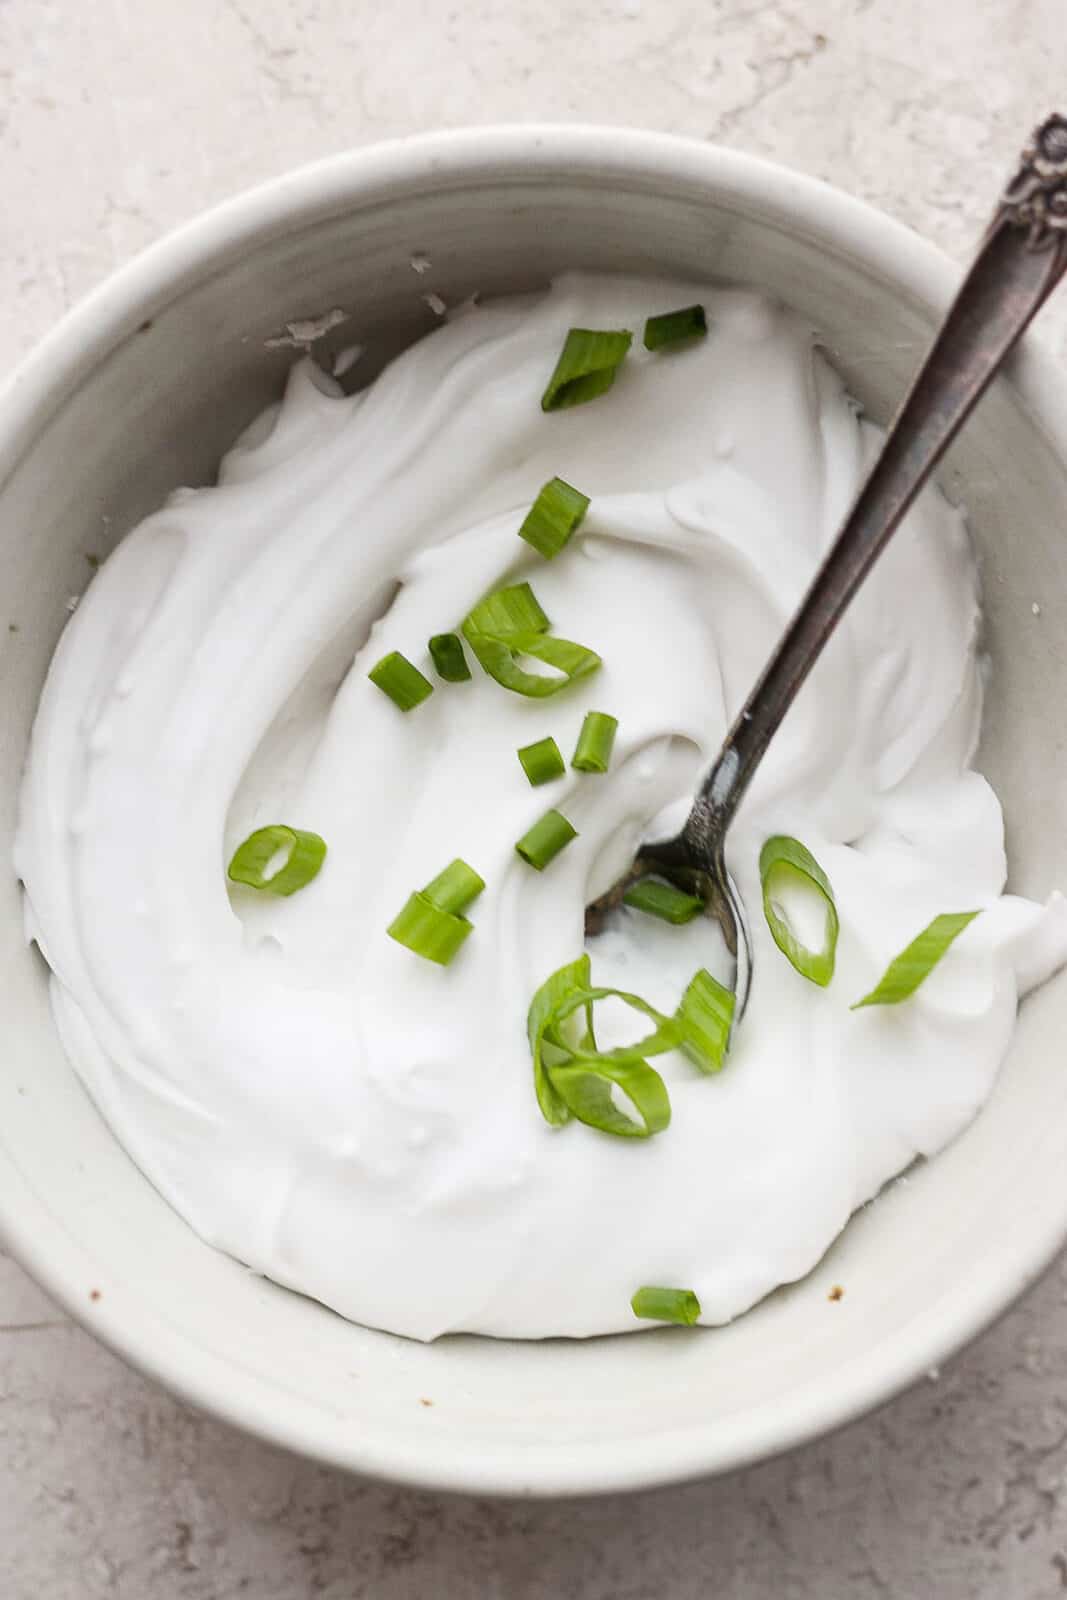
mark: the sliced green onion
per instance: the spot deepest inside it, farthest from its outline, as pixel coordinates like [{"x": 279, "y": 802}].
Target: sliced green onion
[
  {"x": 705, "y": 1017},
  {"x": 546, "y": 1002},
  {"x": 510, "y": 623},
  {"x": 427, "y": 930},
  {"x": 541, "y": 761},
  {"x": 506, "y": 613},
  {"x": 595, "y": 742},
  {"x": 544, "y": 841},
  {"x": 573, "y": 1078},
  {"x": 553, "y": 517},
  {"x": 663, "y": 900},
  {"x": 249, "y": 863},
  {"x": 666, "y": 1035},
  {"x": 455, "y": 887},
  {"x": 586, "y": 367},
  {"x": 674, "y": 326},
  {"x": 584, "y": 1084},
  {"x": 499, "y": 658},
  {"x": 784, "y": 861},
  {"x": 400, "y": 680},
  {"x": 430, "y": 923},
  {"x": 667, "y": 1305},
  {"x": 446, "y": 653},
  {"x": 917, "y": 960}
]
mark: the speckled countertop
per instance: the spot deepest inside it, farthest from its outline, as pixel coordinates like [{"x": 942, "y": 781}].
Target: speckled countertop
[{"x": 119, "y": 118}]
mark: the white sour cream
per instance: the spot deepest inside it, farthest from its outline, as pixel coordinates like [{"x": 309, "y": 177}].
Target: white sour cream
[{"x": 361, "y": 1125}]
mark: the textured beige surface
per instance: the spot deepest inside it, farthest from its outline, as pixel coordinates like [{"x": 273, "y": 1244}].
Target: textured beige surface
[{"x": 119, "y": 118}]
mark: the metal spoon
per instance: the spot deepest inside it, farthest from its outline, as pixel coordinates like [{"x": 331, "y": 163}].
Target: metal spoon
[{"x": 1022, "y": 258}]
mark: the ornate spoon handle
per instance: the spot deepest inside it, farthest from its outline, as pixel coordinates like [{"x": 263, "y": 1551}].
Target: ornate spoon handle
[{"x": 1022, "y": 258}]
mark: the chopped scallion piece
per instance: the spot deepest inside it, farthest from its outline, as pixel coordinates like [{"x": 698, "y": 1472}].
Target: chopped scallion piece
[
  {"x": 705, "y": 1017},
  {"x": 595, "y": 742},
  {"x": 666, "y": 1035},
  {"x": 583, "y": 1077},
  {"x": 455, "y": 887},
  {"x": 786, "y": 864},
  {"x": 500, "y": 659},
  {"x": 675, "y": 326},
  {"x": 573, "y": 1078},
  {"x": 663, "y": 900},
  {"x": 506, "y": 613},
  {"x": 917, "y": 960},
  {"x": 428, "y": 931},
  {"x": 430, "y": 923},
  {"x": 510, "y": 623},
  {"x": 446, "y": 653},
  {"x": 586, "y": 367},
  {"x": 585, "y": 1083},
  {"x": 541, "y": 761},
  {"x": 400, "y": 680},
  {"x": 303, "y": 854},
  {"x": 544, "y": 841},
  {"x": 541, "y": 1017},
  {"x": 667, "y": 1305},
  {"x": 553, "y": 517}
]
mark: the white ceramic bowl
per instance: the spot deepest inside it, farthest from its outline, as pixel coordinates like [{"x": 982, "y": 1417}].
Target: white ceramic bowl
[{"x": 141, "y": 389}]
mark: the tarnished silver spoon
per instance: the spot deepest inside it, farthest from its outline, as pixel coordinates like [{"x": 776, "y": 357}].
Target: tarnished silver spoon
[{"x": 1021, "y": 259}]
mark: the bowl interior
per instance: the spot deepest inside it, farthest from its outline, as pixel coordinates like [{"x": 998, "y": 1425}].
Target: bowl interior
[{"x": 143, "y": 390}]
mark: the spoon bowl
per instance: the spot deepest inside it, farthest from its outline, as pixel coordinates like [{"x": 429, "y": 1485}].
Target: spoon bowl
[{"x": 708, "y": 879}]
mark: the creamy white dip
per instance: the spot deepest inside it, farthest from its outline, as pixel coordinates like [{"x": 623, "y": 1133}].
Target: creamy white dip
[{"x": 359, "y": 1124}]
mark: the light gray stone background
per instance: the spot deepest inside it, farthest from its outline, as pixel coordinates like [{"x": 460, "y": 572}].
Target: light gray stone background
[{"x": 120, "y": 118}]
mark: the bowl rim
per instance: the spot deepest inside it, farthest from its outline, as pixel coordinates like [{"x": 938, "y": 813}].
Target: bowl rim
[{"x": 37, "y": 1238}]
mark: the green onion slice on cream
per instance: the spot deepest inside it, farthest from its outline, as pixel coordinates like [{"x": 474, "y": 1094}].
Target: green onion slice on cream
[
  {"x": 295, "y": 855},
  {"x": 574, "y": 1078},
  {"x": 553, "y": 517},
  {"x": 667, "y": 1305},
  {"x": 595, "y": 742},
  {"x": 431, "y": 922},
  {"x": 917, "y": 960},
  {"x": 586, "y": 368},
  {"x": 541, "y": 761},
  {"x": 509, "y": 624},
  {"x": 786, "y": 867},
  {"x": 675, "y": 327},
  {"x": 401, "y": 680}
]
